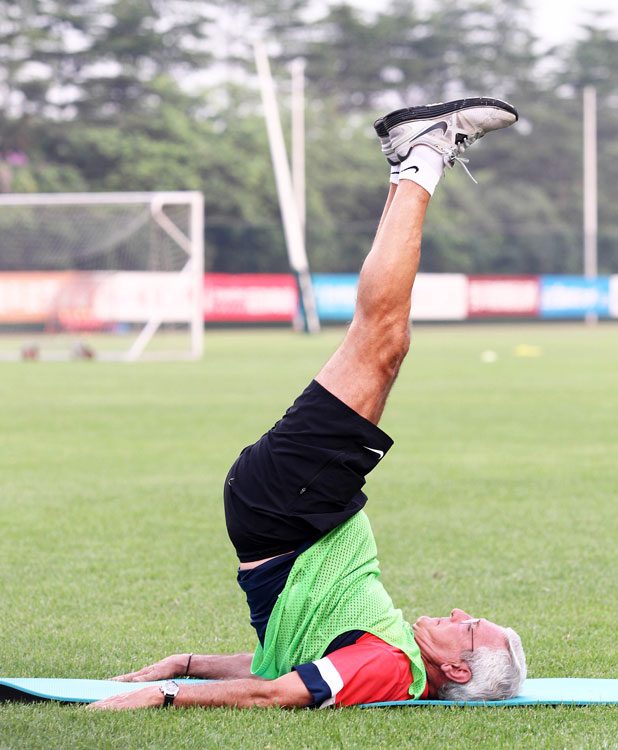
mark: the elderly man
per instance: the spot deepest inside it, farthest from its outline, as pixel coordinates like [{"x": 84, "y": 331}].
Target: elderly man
[{"x": 328, "y": 632}]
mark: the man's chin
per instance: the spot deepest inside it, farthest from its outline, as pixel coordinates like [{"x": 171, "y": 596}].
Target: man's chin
[
  {"x": 422, "y": 619},
  {"x": 426, "y": 621}
]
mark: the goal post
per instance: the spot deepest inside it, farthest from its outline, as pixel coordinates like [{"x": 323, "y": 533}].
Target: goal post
[{"x": 118, "y": 276}]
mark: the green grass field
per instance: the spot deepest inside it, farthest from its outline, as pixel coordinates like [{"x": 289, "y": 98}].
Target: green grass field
[{"x": 500, "y": 496}]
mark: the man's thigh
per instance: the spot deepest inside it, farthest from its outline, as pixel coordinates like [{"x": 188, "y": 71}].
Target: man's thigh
[{"x": 303, "y": 478}]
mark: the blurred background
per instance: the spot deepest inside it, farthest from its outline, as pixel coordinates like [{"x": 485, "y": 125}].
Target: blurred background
[{"x": 130, "y": 95}]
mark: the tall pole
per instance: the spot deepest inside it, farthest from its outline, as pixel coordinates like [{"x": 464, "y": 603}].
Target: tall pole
[
  {"x": 297, "y": 69},
  {"x": 590, "y": 187},
  {"x": 294, "y": 236}
]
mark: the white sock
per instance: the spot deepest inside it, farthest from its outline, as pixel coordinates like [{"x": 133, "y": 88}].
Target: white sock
[
  {"x": 424, "y": 166},
  {"x": 395, "y": 174}
]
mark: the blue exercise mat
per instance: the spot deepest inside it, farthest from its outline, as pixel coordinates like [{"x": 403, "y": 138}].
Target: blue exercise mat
[
  {"x": 549, "y": 691},
  {"x": 71, "y": 691},
  {"x": 546, "y": 691}
]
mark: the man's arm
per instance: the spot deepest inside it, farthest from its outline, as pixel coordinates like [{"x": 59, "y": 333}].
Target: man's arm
[
  {"x": 207, "y": 667},
  {"x": 288, "y": 691}
]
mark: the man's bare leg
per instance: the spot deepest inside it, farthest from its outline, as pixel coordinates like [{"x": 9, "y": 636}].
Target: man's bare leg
[
  {"x": 420, "y": 142},
  {"x": 363, "y": 369},
  {"x": 392, "y": 189}
]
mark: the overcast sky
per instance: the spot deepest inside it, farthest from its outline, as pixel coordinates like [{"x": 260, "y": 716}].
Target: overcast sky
[{"x": 557, "y": 21}]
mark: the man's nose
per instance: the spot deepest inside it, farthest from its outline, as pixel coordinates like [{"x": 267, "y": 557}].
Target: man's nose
[{"x": 459, "y": 614}]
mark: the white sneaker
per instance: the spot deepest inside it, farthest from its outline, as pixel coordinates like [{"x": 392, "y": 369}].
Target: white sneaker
[{"x": 448, "y": 128}]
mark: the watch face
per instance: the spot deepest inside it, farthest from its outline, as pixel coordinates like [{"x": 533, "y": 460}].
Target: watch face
[{"x": 170, "y": 688}]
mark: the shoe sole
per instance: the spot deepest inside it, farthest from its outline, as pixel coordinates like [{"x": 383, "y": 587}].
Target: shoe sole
[
  {"x": 380, "y": 128},
  {"x": 431, "y": 111}
]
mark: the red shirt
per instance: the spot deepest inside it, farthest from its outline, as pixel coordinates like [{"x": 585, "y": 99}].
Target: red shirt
[{"x": 368, "y": 671}]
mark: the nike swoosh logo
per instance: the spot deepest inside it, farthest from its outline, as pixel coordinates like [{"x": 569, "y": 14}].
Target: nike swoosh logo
[
  {"x": 416, "y": 169},
  {"x": 443, "y": 126},
  {"x": 374, "y": 450}
]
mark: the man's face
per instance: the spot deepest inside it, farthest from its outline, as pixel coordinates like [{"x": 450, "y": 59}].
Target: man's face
[{"x": 442, "y": 640}]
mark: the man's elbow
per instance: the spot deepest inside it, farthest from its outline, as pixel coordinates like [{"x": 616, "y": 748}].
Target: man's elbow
[{"x": 284, "y": 693}]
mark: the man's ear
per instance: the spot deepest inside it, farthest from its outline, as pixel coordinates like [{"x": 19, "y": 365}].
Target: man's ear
[{"x": 457, "y": 672}]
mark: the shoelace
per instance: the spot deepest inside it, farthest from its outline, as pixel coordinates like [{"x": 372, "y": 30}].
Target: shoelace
[
  {"x": 458, "y": 148},
  {"x": 460, "y": 160}
]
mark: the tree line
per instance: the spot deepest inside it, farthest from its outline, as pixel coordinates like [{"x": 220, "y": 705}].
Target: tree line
[{"x": 162, "y": 95}]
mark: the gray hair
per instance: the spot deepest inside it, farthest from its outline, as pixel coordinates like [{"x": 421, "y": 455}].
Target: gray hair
[{"x": 497, "y": 674}]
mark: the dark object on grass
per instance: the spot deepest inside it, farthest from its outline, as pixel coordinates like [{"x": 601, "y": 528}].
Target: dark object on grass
[
  {"x": 82, "y": 351},
  {"x": 30, "y": 352}
]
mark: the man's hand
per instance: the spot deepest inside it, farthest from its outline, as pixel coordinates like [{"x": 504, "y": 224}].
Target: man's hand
[
  {"x": 209, "y": 667},
  {"x": 147, "y": 697},
  {"x": 166, "y": 669}
]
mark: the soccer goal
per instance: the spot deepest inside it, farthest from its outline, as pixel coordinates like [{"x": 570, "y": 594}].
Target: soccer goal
[{"x": 116, "y": 276}]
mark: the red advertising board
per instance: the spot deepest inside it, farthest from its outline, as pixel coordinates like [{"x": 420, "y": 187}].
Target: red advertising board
[
  {"x": 88, "y": 299},
  {"x": 32, "y": 297},
  {"x": 246, "y": 297},
  {"x": 503, "y": 296}
]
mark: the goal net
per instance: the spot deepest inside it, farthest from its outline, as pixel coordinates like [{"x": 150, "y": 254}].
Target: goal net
[{"x": 105, "y": 275}]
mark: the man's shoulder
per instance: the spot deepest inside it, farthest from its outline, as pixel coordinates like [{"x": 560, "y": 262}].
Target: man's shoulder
[
  {"x": 367, "y": 671},
  {"x": 370, "y": 649}
]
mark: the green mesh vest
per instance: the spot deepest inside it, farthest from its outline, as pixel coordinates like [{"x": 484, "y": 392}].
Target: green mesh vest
[{"x": 333, "y": 587}]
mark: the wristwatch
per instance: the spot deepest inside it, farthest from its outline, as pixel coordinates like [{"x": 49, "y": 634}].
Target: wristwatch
[{"x": 170, "y": 691}]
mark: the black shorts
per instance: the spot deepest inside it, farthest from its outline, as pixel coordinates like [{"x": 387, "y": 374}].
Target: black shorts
[{"x": 303, "y": 478}]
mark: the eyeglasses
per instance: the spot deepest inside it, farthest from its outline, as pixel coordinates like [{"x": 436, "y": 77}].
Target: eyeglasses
[{"x": 472, "y": 623}]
